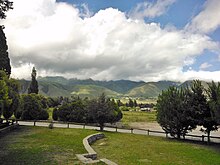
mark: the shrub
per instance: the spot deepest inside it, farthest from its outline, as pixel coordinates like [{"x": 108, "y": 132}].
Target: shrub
[
  {"x": 43, "y": 115},
  {"x": 55, "y": 114}
]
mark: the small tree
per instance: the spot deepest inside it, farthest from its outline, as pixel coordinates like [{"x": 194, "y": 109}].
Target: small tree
[
  {"x": 102, "y": 111},
  {"x": 33, "y": 88}
]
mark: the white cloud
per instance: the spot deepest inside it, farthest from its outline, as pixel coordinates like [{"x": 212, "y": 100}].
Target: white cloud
[
  {"x": 205, "y": 66},
  {"x": 150, "y": 9},
  {"x": 58, "y": 41},
  {"x": 207, "y": 20}
]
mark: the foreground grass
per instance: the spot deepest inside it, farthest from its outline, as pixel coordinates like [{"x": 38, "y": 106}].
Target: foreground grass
[
  {"x": 136, "y": 116},
  {"x": 132, "y": 149},
  {"x": 38, "y": 145}
]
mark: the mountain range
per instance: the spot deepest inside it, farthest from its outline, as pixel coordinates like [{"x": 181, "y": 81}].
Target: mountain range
[{"x": 60, "y": 86}]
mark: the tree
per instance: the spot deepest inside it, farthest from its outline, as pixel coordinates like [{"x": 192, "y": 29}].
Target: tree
[
  {"x": 5, "y": 5},
  {"x": 32, "y": 108},
  {"x": 172, "y": 112},
  {"x": 33, "y": 88},
  {"x": 130, "y": 103},
  {"x": 4, "y": 59},
  {"x": 214, "y": 100},
  {"x": 103, "y": 110},
  {"x": 13, "y": 93},
  {"x": 5, "y": 101}
]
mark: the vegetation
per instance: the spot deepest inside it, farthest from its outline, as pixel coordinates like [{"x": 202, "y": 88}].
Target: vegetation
[
  {"x": 5, "y": 5},
  {"x": 135, "y": 116},
  {"x": 181, "y": 110},
  {"x": 38, "y": 146},
  {"x": 139, "y": 149},
  {"x": 33, "y": 88},
  {"x": 33, "y": 108},
  {"x": 101, "y": 110}
]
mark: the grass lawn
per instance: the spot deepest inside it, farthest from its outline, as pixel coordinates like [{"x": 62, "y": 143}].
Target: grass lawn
[
  {"x": 39, "y": 145},
  {"x": 130, "y": 149},
  {"x": 136, "y": 116}
]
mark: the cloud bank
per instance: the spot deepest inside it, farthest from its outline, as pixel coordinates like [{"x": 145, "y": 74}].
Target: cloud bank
[{"x": 57, "y": 40}]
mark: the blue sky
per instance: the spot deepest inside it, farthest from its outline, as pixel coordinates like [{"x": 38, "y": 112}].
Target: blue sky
[{"x": 146, "y": 40}]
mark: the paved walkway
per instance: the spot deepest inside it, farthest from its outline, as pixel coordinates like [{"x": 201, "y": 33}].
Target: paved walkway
[{"x": 141, "y": 131}]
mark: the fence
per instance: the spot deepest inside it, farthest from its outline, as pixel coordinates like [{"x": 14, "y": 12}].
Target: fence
[{"x": 203, "y": 138}]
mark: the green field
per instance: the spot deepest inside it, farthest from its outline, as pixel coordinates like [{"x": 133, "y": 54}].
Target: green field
[
  {"x": 133, "y": 149},
  {"x": 39, "y": 145},
  {"x": 134, "y": 116}
]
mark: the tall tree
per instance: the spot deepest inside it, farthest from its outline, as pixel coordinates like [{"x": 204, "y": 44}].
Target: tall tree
[
  {"x": 33, "y": 88},
  {"x": 5, "y": 5},
  {"x": 172, "y": 110},
  {"x": 4, "y": 59}
]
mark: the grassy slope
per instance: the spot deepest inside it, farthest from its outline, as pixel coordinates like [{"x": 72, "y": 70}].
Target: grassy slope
[
  {"x": 139, "y": 149},
  {"x": 92, "y": 91},
  {"x": 147, "y": 90}
]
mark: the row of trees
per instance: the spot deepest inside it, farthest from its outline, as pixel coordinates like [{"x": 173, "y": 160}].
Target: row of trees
[
  {"x": 100, "y": 110},
  {"x": 182, "y": 110}
]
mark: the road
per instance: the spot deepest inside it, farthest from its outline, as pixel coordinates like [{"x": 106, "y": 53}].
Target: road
[{"x": 151, "y": 126}]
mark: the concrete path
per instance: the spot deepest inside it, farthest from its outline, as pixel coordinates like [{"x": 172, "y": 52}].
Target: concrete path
[{"x": 140, "y": 131}]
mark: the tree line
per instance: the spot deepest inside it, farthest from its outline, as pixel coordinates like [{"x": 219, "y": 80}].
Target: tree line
[{"x": 182, "y": 110}]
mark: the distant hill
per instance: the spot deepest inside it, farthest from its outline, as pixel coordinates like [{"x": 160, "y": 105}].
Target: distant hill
[
  {"x": 150, "y": 89},
  {"x": 60, "y": 86},
  {"x": 92, "y": 91}
]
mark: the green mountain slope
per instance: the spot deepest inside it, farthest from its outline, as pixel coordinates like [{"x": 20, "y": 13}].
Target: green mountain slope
[
  {"x": 92, "y": 91},
  {"x": 150, "y": 89}
]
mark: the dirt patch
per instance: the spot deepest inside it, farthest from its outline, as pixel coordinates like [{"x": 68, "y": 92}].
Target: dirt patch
[{"x": 143, "y": 125}]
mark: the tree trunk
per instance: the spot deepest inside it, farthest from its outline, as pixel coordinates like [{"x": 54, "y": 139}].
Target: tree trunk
[
  {"x": 208, "y": 133},
  {"x": 101, "y": 127}
]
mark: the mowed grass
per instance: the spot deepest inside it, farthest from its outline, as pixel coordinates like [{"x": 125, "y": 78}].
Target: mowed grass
[
  {"x": 39, "y": 145},
  {"x": 130, "y": 149},
  {"x": 136, "y": 116}
]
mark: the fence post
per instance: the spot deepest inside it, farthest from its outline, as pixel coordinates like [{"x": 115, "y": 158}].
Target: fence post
[
  {"x": 84, "y": 125},
  {"x": 34, "y": 123},
  {"x": 148, "y": 132},
  {"x": 68, "y": 125},
  {"x": 202, "y": 138},
  {"x": 131, "y": 130},
  {"x": 116, "y": 129}
]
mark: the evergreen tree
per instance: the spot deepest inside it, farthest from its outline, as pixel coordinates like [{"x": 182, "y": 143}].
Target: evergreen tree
[
  {"x": 5, "y": 5},
  {"x": 172, "y": 112},
  {"x": 33, "y": 88},
  {"x": 4, "y": 59},
  {"x": 103, "y": 111},
  {"x": 214, "y": 100}
]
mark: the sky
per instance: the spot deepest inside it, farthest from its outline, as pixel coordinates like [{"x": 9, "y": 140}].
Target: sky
[{"x": 139, "y": 40}]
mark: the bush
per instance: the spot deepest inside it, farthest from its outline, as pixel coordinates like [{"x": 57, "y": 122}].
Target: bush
[
  {"x": 55, "y": 114},
  {"x": 43, "y": 115}
]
